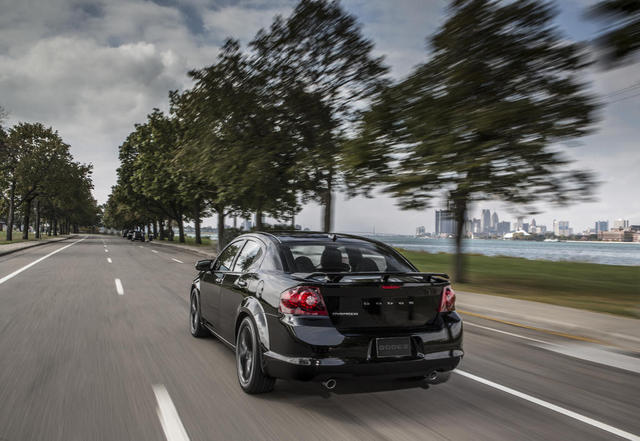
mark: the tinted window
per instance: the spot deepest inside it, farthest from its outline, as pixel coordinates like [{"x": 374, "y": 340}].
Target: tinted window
[
  {"x": 225, "y": 260},
  {"x": 341, "y": 257},
  {"x": 249, "y": 257}
]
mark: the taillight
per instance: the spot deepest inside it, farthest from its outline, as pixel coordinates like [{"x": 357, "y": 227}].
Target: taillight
[
  {"x": 302, "y": 300},
  {"x": 448, "y": 302}
]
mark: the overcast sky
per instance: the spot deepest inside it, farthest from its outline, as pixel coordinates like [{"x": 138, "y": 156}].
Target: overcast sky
[{"x": 91, "y": 69}]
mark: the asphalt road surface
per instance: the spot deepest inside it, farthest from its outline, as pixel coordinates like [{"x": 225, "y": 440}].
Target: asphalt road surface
[{"x": 95, "y": 345}]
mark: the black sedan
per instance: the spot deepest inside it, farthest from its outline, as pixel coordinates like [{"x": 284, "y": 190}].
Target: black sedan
[{"x": 327, "y": 308}]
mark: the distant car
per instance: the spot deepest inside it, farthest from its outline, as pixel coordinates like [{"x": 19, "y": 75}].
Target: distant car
[
  {"x": 130, "y": 234},
  {"x": 125, "y": 233},
  {"x": 138, "y": 235},
  {"x": 326, "y": 308}
]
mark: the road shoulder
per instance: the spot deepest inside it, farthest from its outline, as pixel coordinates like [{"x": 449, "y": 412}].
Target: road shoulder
[
  {"x": 611, "y": 330},
  {"x": 19, "y": 246}
]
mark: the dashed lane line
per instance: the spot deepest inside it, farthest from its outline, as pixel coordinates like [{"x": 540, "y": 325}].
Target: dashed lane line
[
  {"x": 168, "y": 415},
  {"x": 109, "y": 260},
  {"x": 119, "y": 288},
  {"x": 176, "y": 260}
]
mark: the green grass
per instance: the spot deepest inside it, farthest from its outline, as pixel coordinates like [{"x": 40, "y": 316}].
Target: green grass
[
  {"x": 206, "y": 242},
  {"x": 17, "y": 237},
  {"x": 600, "y": 288}
]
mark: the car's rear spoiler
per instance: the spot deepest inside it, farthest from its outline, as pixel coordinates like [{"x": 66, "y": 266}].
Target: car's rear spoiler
[{"x": 384, "y": 276}]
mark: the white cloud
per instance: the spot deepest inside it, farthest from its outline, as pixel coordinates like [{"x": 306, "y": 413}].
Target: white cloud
[{"x": 92, "y": 69}]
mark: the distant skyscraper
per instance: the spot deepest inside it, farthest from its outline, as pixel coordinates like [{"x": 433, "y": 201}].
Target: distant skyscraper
[
  {"x": 602, "y": 226},
  {"x": 503, "y": 227},
  {"x": 619, "y": 224},
  {"x": 561, "y": 228},
  {"x": 420, "y": 231},
  {"x": 519, "y": 223},
  {"x": 476, "y": 226},
  {"x": 445, "y": 224},
  {"x": 494, "y": 221},
  {"x": 486, "y": 220}
]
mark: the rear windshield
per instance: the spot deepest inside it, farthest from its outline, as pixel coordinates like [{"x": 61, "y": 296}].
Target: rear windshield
[{"x": 330, "y": 256}]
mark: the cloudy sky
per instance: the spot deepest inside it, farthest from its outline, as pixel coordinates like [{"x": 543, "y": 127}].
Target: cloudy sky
[{"x": 91, "y": 69}]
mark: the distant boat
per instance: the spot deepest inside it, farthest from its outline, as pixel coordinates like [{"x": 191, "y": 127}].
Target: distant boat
[{"x": 551, "y": 240}]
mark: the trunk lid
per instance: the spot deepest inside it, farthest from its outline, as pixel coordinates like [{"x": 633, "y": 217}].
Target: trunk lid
[{"x": 369, "y": 303}]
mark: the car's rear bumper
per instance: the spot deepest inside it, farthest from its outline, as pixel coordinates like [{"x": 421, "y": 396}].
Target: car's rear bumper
[
  {"x": 319, "y": 369},
  {"x": 315, "y": 350}
]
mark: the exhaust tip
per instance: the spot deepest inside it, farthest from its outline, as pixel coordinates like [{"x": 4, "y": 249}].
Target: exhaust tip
[{"x": 329, "y": 384}]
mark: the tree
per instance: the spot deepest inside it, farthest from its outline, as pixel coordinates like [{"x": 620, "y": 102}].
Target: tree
[
  {"x": 622, "y": 36},
  {"x": 239, "y": 141},
  {"x": 320, "y": 51},
  {"x": 484, "y": 118}
]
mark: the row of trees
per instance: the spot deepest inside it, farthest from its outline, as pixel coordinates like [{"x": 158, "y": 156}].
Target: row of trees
[
  {"x": 40, "y": 184},
  {"x": 306, "y": 110}
]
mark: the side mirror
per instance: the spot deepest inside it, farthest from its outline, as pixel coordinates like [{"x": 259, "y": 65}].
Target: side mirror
[{"x": 204, "y": 265}]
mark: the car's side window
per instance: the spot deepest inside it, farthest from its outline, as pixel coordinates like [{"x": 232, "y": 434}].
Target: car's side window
[
  {"x": 249, "y": 257},
  {"x": 225, "y": 260}
]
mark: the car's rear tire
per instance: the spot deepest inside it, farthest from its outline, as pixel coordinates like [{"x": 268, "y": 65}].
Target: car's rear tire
[
  {"x": 195, "y": 317},
  {"x": 249, "y": 360}
]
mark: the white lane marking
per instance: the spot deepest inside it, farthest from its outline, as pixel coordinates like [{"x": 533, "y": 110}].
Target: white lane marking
[
  {"x": 553, "y": 407},
  {"x": 154, "y": 251},
  {"x": 106, "y": 251},
  {"x": 176, "y": 260},
  {"x": 504, "y": 332},
  {"x": 105, "y": 245},
  {"x": 26, "y": 267},
  {"x": 119, "y": 287},
  {"x": 168, "y": 415},
  {"x": 140, "y": 246},
  {"x": 109, "y": 260}
]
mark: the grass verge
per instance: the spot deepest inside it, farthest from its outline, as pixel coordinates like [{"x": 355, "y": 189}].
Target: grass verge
[
  {"x": 601, "y": 288},
  {"x": 17, "y": 237},
  {"x": 191, "y": 241}
]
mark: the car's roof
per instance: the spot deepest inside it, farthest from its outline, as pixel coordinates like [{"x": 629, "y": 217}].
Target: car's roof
[{"x": 310, "y": 236}]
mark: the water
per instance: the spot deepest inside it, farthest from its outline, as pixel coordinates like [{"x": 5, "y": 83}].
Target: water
[{"x": 609, "y": 253}]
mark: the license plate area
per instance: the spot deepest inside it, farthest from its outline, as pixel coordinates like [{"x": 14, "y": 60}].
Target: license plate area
[{"x": 393, "y": 347}]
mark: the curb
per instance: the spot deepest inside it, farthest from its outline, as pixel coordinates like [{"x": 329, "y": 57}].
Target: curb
[
  {"x": 34, "y": 244},
  {"x": 186, "y": 249}
]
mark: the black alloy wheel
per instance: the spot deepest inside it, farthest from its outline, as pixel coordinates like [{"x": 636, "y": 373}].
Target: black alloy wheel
[{"x": 249, "y": 361}]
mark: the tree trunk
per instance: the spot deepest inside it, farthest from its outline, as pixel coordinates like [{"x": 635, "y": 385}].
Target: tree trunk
[
  {"x": 180, "y": 228},
  {"x": 293, "y": 220},
  {"x": 460, "y": 210},
  {"x": 259, "y": 220},
  {"x": 55, "y": 226},
  {"x": 170, "y": 230},
  {"x": 220, "y": 215},
  {"x": 155, "y": 229},
  {"x": 196, "y": 222},
  {"x": 162, "y": 235},
  {"x": 26, "y": 217},
  {"x": 327, "y": 210},
  {"x": 38, "y": 219},
  {"x": 12, "y": 202}
]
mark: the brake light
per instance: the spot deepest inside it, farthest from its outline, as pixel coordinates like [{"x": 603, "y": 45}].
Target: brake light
[
  {"x": 448, "y": 302},
  {"x": 390, "y": 286},
  {"x": 302, "y": 300}
]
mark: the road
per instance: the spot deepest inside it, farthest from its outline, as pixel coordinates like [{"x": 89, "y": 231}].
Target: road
[{"x": 83, "y": 357}]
